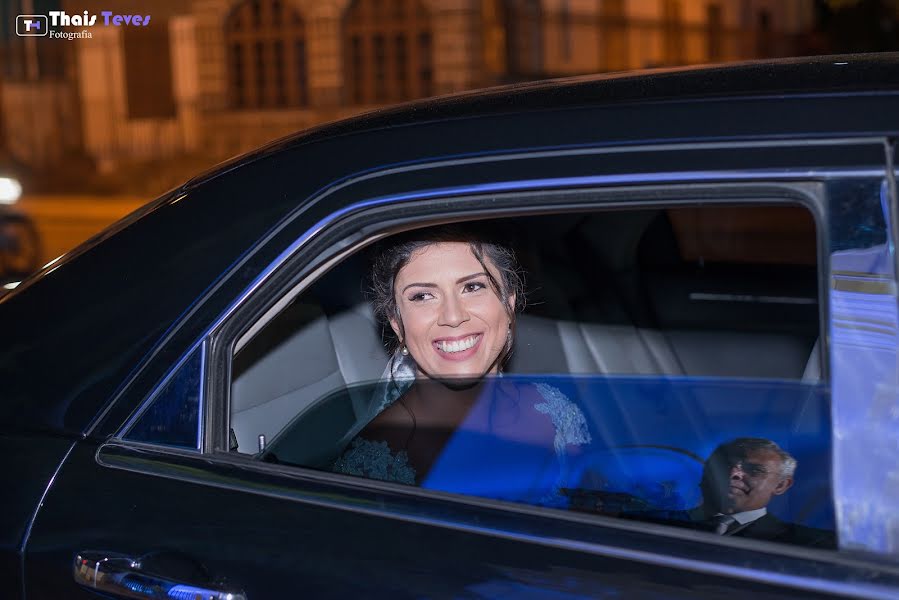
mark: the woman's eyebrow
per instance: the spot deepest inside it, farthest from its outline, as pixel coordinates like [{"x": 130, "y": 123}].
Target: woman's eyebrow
[
  {"x": 433, "y": 285},
  {"x": 427, "y": 285},
  {"x": 472, "y": 276}
]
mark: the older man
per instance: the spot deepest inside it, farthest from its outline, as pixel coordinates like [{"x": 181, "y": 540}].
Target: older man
[{"x": 739, "y": 479}]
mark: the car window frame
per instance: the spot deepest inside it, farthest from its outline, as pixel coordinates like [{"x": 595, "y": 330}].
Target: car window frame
[
  {"x": 806, "y": 191},
  {"x": 308, "y": 268}
]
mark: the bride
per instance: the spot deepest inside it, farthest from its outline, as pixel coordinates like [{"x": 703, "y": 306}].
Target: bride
[{"x": 450, "y": 297}]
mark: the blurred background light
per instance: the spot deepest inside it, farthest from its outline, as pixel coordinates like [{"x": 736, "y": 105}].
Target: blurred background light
[{"x": 10, "y": 190}]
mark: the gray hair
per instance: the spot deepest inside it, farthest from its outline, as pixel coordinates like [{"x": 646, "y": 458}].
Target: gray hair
[{"x": 749, "y": 444}]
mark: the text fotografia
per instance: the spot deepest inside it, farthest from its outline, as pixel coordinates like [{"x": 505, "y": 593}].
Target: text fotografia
[
  {"x": 60, "y": 18},
  {"x": 70, "y": 35}
]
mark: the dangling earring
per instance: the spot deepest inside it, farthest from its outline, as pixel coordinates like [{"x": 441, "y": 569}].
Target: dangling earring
[{"x": 404, "y": 351}]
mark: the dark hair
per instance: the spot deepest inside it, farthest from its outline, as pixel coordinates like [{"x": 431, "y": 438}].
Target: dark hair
[{"x": 395, "y": 253}]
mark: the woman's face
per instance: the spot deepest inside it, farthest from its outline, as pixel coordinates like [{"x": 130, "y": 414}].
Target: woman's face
[{"x": 454, "y": 325}]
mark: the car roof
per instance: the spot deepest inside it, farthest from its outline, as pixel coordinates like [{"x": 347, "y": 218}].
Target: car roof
[
  {"x": 106, "y": 308},
  {"x": 848, "y": 74}
]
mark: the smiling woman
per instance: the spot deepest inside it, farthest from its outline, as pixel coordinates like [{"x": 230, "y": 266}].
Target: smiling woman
[{"x": 449, "y": 297}]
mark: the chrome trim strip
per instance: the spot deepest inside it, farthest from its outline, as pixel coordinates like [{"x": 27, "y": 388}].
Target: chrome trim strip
[
  {"x": 855, "y": 589},
  {"x": 201, "y": 395}
]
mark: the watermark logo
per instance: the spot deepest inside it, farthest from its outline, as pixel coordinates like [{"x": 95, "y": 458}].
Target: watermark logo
[
  {"x": 58, "y": 23},
  {"x": 28, "y": 25}
]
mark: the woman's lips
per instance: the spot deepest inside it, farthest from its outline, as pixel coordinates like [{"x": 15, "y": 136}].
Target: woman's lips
[{"x": 458, "y": 348}]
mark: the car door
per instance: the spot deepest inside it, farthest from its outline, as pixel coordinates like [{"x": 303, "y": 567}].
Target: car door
[{"x": 162, "y": 506}]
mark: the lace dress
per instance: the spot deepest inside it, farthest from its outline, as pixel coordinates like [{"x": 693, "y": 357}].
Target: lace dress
[{"x": 374, "y": 459}]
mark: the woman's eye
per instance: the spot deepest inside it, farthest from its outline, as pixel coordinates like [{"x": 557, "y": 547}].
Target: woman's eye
[
  {"x": 418, "y": 297},
  {"x": 474, "y": 286}
]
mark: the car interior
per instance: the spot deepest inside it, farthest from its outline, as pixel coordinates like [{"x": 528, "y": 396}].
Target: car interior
[{"x": 693, "y": 293}]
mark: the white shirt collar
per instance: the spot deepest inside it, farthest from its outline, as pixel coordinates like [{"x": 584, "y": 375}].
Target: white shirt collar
[{"x": 749, "y": 516}]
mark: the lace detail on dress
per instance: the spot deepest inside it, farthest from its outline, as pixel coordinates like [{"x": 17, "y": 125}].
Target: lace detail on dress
[
  {"x": 571, "y": 429},
  {"x": 375, "y": 460},
  {"x": 567, "y": 418}
]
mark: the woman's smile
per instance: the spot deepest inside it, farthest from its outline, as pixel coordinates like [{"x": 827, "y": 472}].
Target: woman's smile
[{"x": 458, "y": 348}]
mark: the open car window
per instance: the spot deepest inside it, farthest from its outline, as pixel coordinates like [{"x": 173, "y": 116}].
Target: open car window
[{"x": 651, "y": 342}]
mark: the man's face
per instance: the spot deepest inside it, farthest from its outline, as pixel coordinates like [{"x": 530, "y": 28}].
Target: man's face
[{"x": 739, "y": 481}]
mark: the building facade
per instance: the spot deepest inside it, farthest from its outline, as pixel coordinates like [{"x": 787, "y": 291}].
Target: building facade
[{"x": 208, "y": 79}]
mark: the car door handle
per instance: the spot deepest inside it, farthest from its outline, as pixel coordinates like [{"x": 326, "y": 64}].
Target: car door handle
[{"x": 125, "y": 577}]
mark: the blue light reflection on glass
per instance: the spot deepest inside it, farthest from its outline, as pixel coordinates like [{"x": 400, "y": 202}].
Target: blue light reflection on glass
[
  {"x": 863, "y": 353},
  {"x": 173, "y": 414},
  {"x": 649, "y": 437}
]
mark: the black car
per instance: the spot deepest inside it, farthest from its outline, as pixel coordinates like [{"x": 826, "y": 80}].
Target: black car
[{"x": 710, "y": 266}]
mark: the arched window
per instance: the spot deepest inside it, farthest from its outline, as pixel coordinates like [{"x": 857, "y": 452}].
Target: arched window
[
  {"x": 266, "y": 54},
  {"x": 387, "y": 51}
]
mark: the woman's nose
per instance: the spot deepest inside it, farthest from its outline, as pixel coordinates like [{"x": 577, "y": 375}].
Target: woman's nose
[{"x": 452, "y": 313}]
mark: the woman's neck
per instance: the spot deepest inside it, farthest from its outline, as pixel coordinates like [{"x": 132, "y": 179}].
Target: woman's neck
[{"x": 430, "y": 397}]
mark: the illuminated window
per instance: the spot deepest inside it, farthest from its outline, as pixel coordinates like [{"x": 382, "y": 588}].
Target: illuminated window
[
  {"x": 266, "y": 51},
  {"x": 388, "y": 51}
]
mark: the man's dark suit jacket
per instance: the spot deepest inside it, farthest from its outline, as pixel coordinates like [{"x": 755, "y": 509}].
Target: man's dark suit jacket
[{"x": 768, "y": 527}]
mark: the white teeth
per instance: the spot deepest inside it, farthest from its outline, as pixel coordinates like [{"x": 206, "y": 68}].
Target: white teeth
[{"x": 458, "y": 345}]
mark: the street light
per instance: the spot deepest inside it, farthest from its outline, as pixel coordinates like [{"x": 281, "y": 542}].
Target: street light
[{"x": 10, "y": 190}]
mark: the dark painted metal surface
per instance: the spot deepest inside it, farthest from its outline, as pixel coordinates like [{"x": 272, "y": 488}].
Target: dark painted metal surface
[
  {"x": 295, "y": 535},
  {"x": 30, "y": 465}
]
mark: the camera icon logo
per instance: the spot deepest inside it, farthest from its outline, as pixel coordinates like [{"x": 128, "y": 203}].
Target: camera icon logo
[{"x": 31, "y": 25}]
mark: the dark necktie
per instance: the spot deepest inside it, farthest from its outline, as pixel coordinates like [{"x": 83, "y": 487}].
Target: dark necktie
[{"x": 722, "y": 523}]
